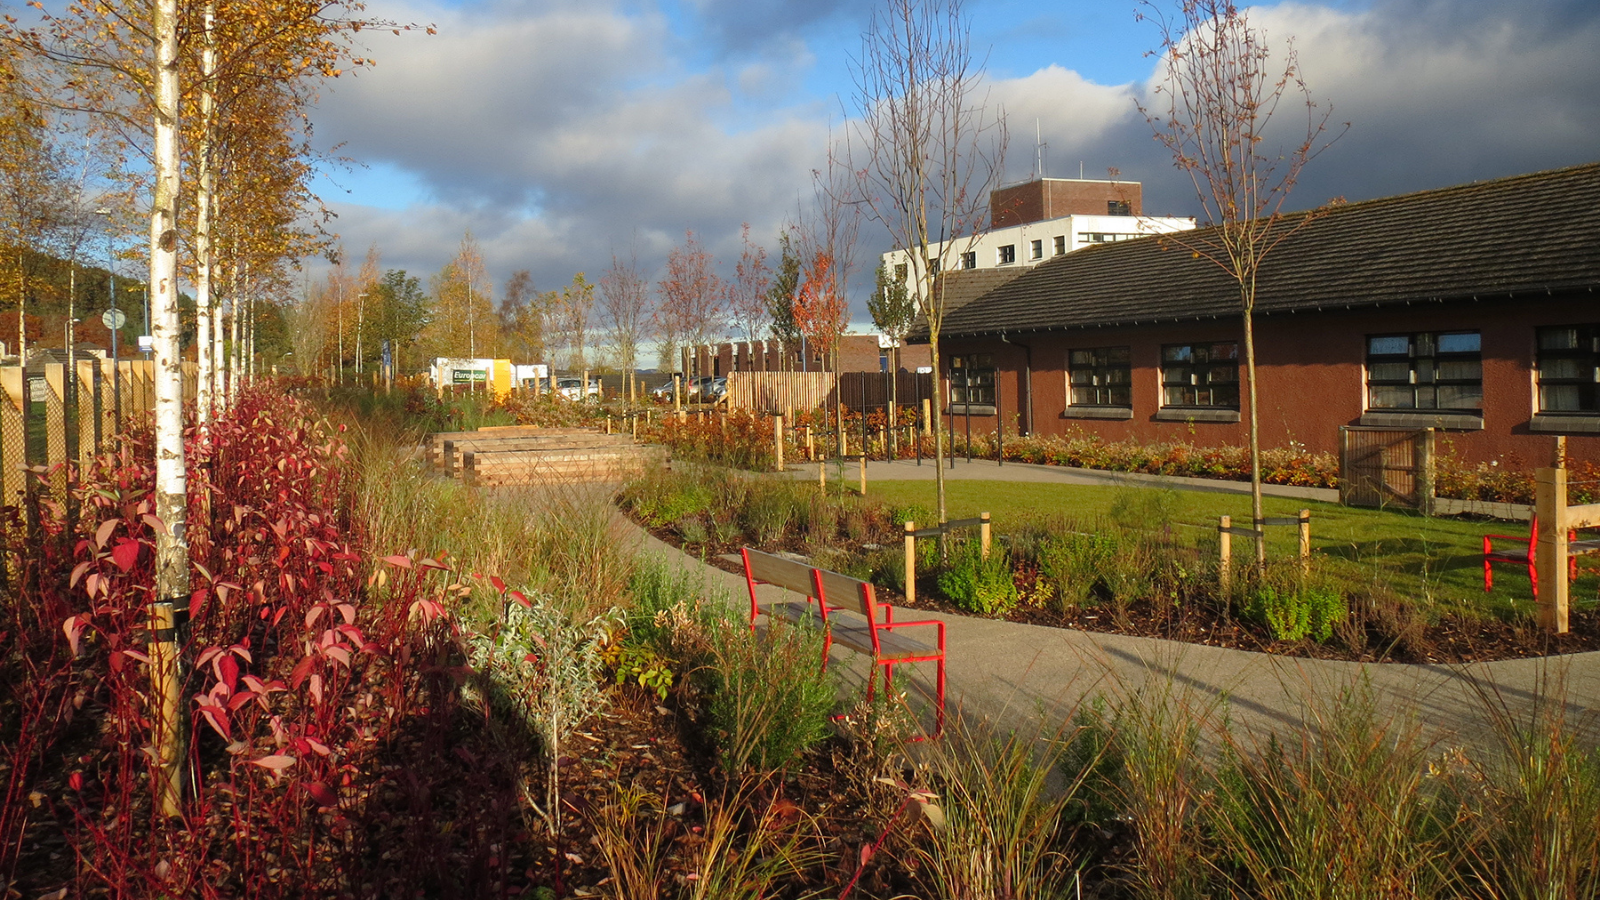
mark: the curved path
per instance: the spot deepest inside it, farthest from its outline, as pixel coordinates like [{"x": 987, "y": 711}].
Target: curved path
[{"x": 1007, "y": 671}]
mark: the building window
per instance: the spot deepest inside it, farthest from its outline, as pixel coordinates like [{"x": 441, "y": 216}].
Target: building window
[
  {"x": 1429, "y": 370},
  {"x": 1100, "y": 377},
  {"x": 972, "y": 379},
  {"x": 969, "y": 259},
  {"x": 1104, "y": 237},
  {"x": 1200, "y": 375},
  {"x": 1036, "y": 250},
  {"x": 1007, "y": 253},
  {"x": 1118, "y": 208},
  {"x": 1569, "y": 369},
  {"x": 933, "y": 267},
  {"x": 1061, "y": 244}
]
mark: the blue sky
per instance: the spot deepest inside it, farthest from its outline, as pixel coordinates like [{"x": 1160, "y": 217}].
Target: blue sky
[{"x": 563, "y": 131}]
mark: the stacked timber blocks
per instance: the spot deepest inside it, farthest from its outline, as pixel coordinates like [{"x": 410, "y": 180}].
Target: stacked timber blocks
[{"x": 524, "y": 454}]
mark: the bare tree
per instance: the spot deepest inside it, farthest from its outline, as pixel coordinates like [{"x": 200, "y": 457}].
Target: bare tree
[
  {"x": 690, "y": 311},
  {"x": 1220, "y": 91},
  {"x": 625, "y": 301},
  {"x": 747, "y": 293},
  {"x": 931, "y": 146}
]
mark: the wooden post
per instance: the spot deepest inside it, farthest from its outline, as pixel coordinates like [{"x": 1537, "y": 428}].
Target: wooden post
[
  {"x": 583, "y": 386},
  {"x": 822, "y": 474},
  {"x": 677, "y": 392},
  {"x": 927, "y": 416},
  {"x": 608, "y": 423},
  {"x": 911, "y": 561},
  {"x": 1550, "y": 552},
  {"x": 844, "y": 441},
  {"x": 55, "y": 427},
  {"x": 469, "y": 468},
  {"x": 811, "y": 447},
  {"x": 863, "y": 474},
  {"x": 1305, "y": 539},
  {"x": 168, "y": 785},
  {"x": 1425, "y": 476},
  {"x": 983, "y": 535},
  {"x": 1224, "y": 554},
  {"x": 88, "y": 425},
  {"x": 777, "y": 441}
]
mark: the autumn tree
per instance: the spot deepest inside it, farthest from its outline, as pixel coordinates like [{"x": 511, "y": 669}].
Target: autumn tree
[
  {"x": 522, "y": 319},
  {"x": 780, "y": 298},
  {"x": 31, "y": 181},
  {"x": 399, "y": 313},
  {"x": 625, "y": 303},
  {"x": 1217, "y": 96},
  {"x": 747, "y": 293},
  {"x": 929, "y": 147},
  {"x": 690, "y": 309},
  {"x": 463, "y": 321},
  {"x": 576, "y": 307}
]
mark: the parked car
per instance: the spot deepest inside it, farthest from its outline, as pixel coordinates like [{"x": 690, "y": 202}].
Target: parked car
[
  {"x": 714, "y": 390},
  {"x": 692, "y": 388},
  {"x": 569, "y": 387}
]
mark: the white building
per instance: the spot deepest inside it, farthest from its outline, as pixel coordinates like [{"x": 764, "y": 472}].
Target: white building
[{"x": 1045, "y": 218}]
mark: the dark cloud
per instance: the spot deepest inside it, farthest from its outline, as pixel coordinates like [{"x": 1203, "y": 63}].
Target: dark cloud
[
  {"x": 561, "y": 134},
  {"x": 740, "y": 27}
]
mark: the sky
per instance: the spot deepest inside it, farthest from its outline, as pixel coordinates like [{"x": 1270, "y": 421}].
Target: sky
[{"x": 564, "y": 132}]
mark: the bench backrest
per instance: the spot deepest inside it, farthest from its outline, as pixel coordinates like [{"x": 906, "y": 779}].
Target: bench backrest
[{"x": 840, "y": 591}]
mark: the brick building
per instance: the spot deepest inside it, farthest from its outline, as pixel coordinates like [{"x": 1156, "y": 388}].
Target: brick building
[{"x": 1473, "y": 309}]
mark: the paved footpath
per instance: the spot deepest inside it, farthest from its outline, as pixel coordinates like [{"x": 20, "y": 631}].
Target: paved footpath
[{"x": 1006, "y": 671}]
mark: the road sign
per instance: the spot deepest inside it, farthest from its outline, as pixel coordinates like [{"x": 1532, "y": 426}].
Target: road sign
[{"x": 114, "y": 318}]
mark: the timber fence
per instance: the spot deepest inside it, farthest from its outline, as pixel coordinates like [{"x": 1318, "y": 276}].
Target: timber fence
[{"x": 53, "y": 413}]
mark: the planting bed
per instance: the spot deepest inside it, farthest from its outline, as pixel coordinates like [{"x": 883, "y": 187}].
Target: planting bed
[{"x": 1180, "y": 599}]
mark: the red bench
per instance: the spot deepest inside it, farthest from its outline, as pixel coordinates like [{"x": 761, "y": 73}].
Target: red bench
[
  {"x": 866, "y": 625},
  {"x": 1524, "y": 555}
]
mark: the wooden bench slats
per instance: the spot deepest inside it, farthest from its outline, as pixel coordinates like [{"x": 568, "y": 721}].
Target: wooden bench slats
[{"x": 847, "y": 611}]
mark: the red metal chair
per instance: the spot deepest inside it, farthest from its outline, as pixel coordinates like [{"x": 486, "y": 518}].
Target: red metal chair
[{"x": 1522, "y": 555}]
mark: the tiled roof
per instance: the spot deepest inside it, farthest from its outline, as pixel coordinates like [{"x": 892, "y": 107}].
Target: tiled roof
[{"x": 1528, "y": 234}]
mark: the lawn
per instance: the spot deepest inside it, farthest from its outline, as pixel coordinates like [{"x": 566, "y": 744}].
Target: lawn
[{"x": 1435, "y": 560}]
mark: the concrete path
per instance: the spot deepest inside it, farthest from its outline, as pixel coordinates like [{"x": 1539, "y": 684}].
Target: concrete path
[
  {"x": 1010, "y": 673},
  {"x": 987, "y": 470}
]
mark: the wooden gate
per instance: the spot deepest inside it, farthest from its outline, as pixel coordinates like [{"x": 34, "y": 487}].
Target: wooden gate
[{"x": 1386, "y": 467}]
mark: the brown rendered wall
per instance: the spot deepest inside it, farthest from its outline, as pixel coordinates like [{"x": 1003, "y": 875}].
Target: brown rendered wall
[
  {"x": 857, "y": 353},
  {"x": 1311, "y": 368},
  {"x": 1051, "y": 198}
]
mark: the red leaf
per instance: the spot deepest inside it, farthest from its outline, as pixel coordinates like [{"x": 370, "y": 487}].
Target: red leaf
[
  {"x": 521, "y": 598},
  {"x": 217, "y": 718},
  {"x": 78, "y": 570},
  {"x": 400, "y": 562},
  {"x": 126, "y": 554},
  {"x": 73, "y": 628},
  {"x": 103, "y": 533},
  {"x": 320, "y": 793},
  {"x": 156, "y": 525},
  {"x": 277, "y": 762},
  {"x": 298, "y": 676},
  {"x": 498, "y": 584},
  {"x": 75, "y": 781}
]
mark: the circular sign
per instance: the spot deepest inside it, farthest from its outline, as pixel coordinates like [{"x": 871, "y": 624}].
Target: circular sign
[{"x": 114, "y": 318}]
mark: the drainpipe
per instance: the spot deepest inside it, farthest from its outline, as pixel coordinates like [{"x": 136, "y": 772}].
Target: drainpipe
[{"x": 1027, "y": 381}]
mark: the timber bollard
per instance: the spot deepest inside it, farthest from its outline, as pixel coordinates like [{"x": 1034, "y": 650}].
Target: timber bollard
[
  {"x": 1304, "y": 527},
  {"x": 822, "y": 475},
  {"x": 983, "y": 534},
  {"x": 777, "y": 441},
  {"x": 911, "y": 562},
  {"x": 811, "y": 448},
  {"x": 1224, "y": 553},
  {"x": 863, "y": 474},
  {"x": 927, "y": 416},
  {"x": 164, "y": 685}
]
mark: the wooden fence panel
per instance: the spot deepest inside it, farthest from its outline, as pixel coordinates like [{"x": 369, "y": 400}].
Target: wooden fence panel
[
  {"x": 55, "y": 427},
  {"x": 13, "y": 434},
  {"x": 778, "y": 392},
  {"x": 1386, "y": 467},
  {"x": 88, "y": 395}
]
